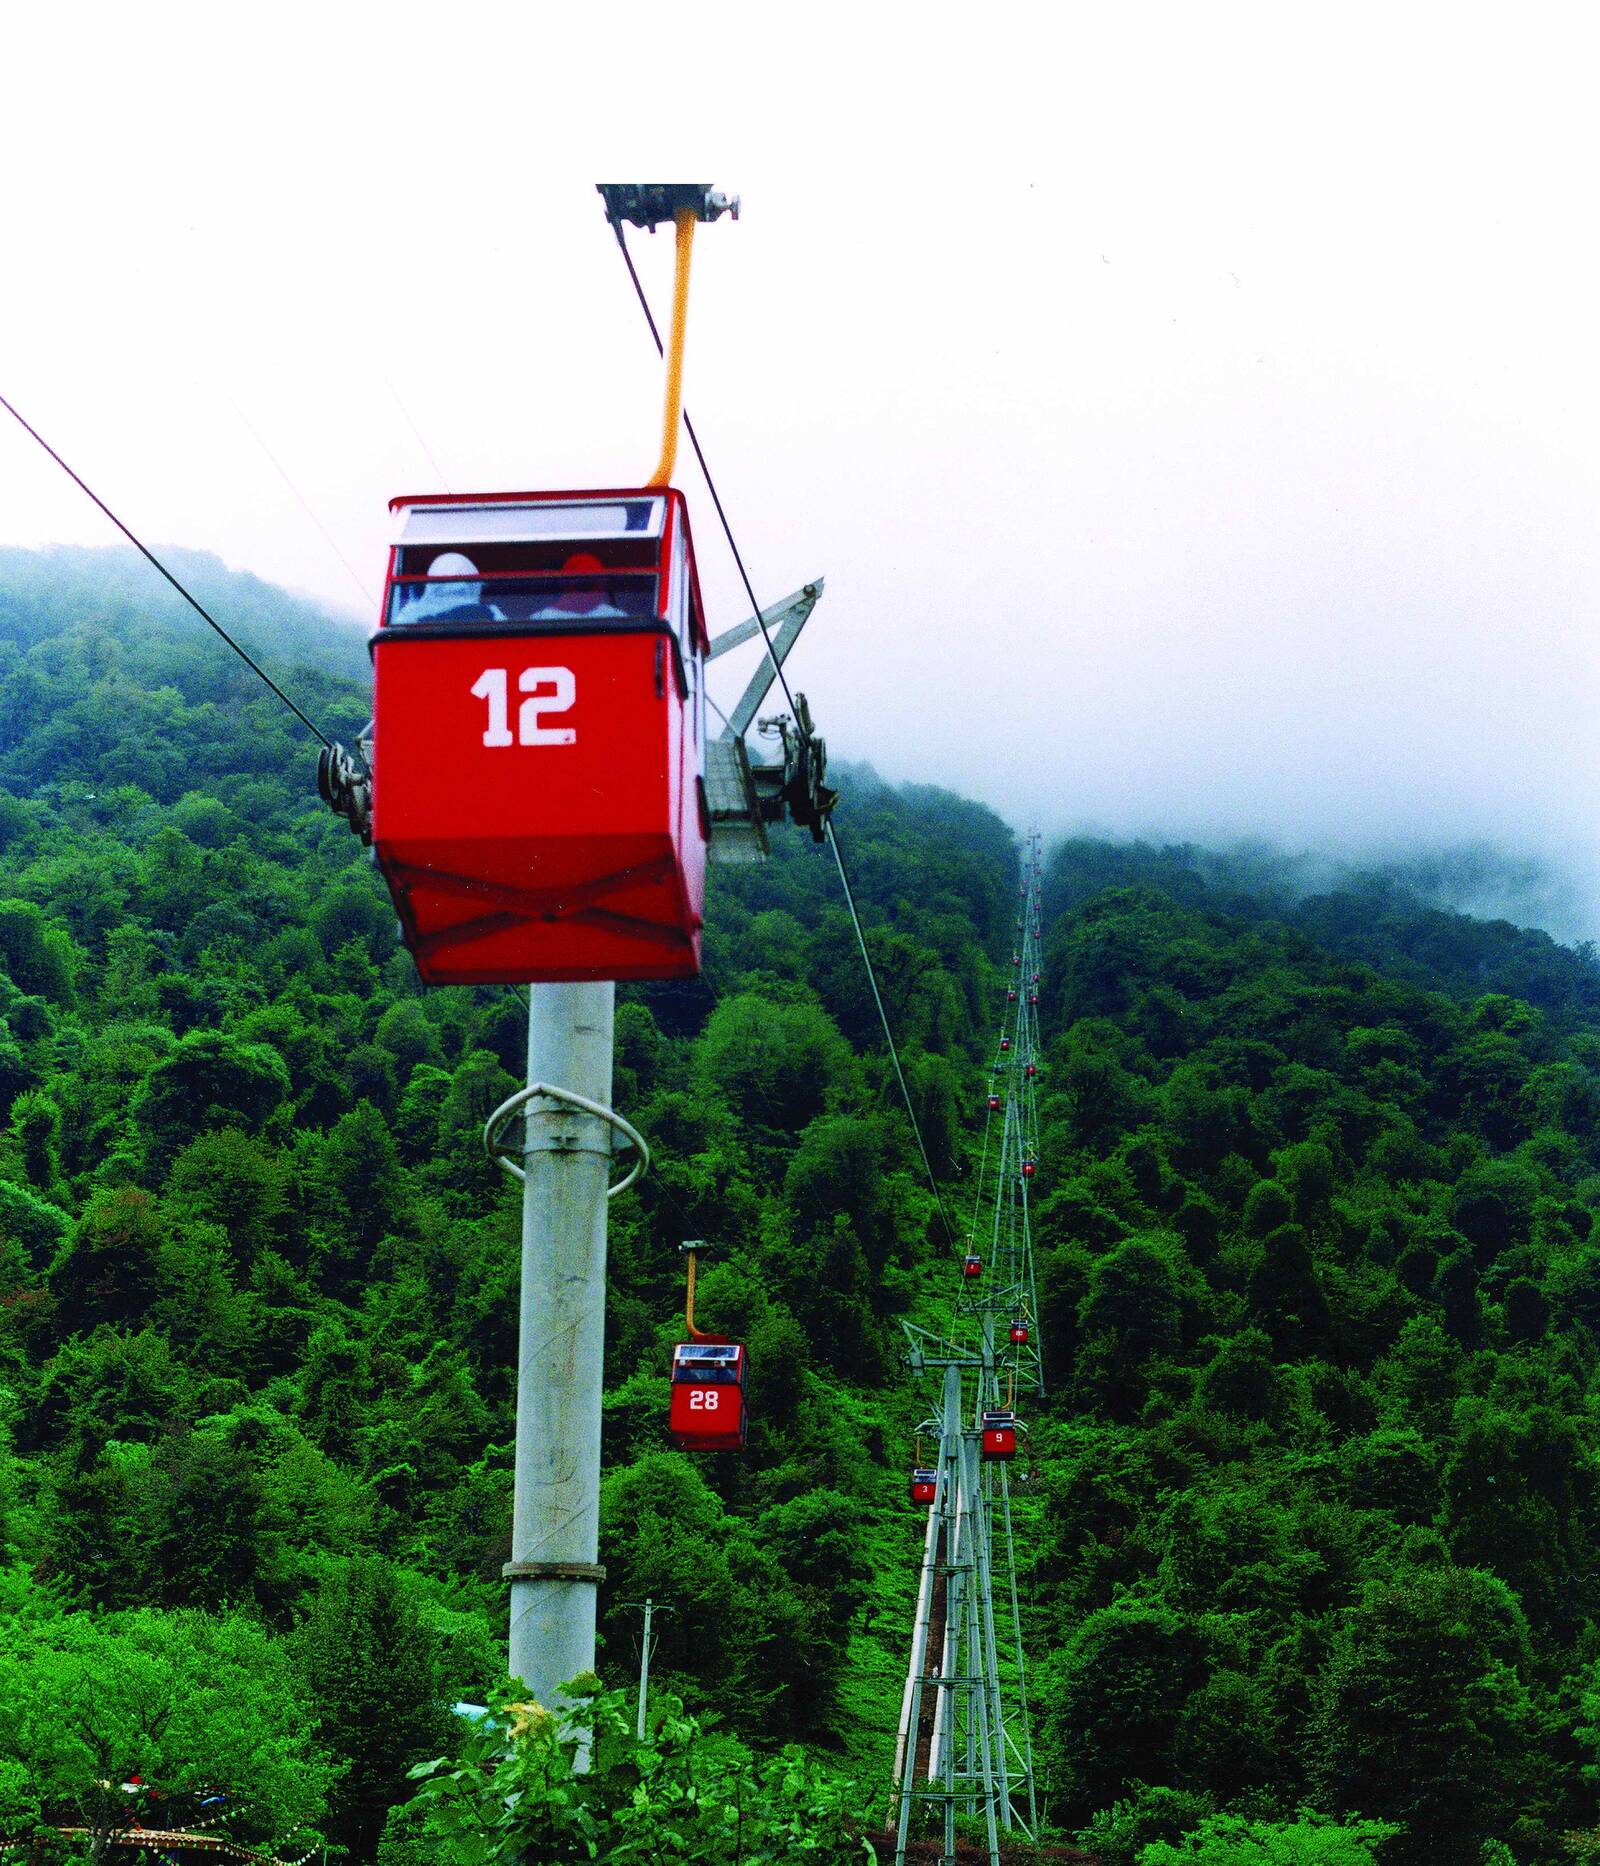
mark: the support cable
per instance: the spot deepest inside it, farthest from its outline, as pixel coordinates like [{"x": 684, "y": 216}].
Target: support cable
[
  {"x": 421, "y": 440},
  {"x": 150, "y": 557},
  {"x": 783, "y": 682},
  {"x": 303, "y": 502},
  {"x": 983, "y": 1169},
  {"x": 888, "y": 1034},
  {"x": 700, "y": 456}
]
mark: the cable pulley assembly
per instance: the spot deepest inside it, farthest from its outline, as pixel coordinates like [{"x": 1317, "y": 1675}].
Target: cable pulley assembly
[
  {"x": 650, "y": 204},
  {"x": 344, "y": 783},
  {"x": 796, "y": 786}
]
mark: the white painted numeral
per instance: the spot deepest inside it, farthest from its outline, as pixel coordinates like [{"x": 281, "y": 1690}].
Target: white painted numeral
[
  {"x": 529, "y": 731},
  {"x": 702, "y": 1399},
  {"x": 493, "y": 686}
]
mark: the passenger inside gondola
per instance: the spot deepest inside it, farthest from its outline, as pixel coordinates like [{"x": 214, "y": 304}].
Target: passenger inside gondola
[
  {"x": 590, "y": 599},
  {"x": 519, "y": 567},
  {"x": 452, "y": 592}
]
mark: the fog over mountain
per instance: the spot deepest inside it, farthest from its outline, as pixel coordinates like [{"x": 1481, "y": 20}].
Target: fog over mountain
[{"x": 1193, "y": 415}]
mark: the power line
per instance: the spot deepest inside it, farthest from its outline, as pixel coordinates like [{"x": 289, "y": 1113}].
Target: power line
[
  {"x": 150, "y": 557},
  {"x": 304, "y": 503},
  {"x": 783, "y": 682},
  {"x": 888, "y": 1034},
  {"x": 421, "y": 442}
]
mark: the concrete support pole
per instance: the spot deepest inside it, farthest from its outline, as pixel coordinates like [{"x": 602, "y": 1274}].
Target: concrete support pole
[
  {"x": 555, "y": 1535},
  {"x": 905, "y": 1747},
  {"x": 644, "y": 1670},
  {"x": 980, "y": 1650}
]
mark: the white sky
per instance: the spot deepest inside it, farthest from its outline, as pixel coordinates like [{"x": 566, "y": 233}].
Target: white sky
[{"x": 1193, "y": 409}]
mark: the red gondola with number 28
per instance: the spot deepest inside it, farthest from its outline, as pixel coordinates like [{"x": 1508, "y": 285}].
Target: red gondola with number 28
[{"x": 707, "y": 1411}]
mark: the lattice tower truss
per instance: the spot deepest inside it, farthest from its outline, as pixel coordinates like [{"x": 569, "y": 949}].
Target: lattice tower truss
[{"x": 964, "y": 1753}]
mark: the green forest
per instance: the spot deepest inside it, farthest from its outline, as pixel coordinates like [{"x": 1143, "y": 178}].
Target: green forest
[{"x": 1312, "y": 1517}]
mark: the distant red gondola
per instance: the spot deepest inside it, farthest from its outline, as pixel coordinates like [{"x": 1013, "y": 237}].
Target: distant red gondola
[
  {"x": 707, "y": 1411},
  {"x": 971, "y": 1266},
  {"x": 999, "y": 1436},
  {"x": 924, "y": 1485}
]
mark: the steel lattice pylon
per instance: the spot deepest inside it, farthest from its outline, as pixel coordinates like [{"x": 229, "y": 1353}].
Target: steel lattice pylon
[
  {"x": 965, "y": 1744},
  {"x": 1002, "y": 1229}
]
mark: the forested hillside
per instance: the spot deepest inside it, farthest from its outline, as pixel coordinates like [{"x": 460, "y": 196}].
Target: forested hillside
[
  {"x": 257, "y": 1277},
  {"x": 1320, "y": 1284},
  {"x": 1312, "y": 1505}
]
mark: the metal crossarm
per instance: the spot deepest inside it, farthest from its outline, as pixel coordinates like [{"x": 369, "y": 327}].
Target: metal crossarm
[
  {"x": 743, "y": 794},
  {"x": 784, "y": 622}
]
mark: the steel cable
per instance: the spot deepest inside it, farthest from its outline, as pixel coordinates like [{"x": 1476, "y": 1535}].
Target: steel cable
[
  {"x": 150, "y": 557},
  {"x": 783, "y": 682}
]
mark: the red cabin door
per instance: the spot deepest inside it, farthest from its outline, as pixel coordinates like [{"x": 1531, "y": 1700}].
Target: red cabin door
[
  {"x": 706, "y": 1417},
  {"x": 529, "y": 808}
]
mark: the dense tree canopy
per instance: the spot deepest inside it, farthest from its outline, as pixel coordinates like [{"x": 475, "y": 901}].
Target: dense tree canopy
[{"x": 1311, "y": 1529}]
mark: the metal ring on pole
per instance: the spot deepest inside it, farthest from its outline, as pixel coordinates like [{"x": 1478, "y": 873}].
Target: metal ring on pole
[
  {"x": 503, "y": 1156},
  {"x": 553, "y": 1571}
]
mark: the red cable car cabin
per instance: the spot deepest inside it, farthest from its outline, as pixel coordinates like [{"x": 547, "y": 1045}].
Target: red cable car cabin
[
  {"x": 1019, "y": 1333},
  {"x": 924, "y": 1486},
  {"x": 539, "y": 808},
  {"x": 707, "y": 1409},
  {"x": 971, "y": 1266},
  {"x": 999, "y": 1436}
]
